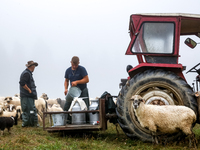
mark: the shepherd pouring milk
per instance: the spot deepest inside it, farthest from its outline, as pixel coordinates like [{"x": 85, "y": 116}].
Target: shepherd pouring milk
[{"x": 78, "y": 77}]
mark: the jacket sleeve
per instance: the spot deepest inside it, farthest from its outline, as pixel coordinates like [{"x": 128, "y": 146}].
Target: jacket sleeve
[{"x": 24, "y": 79}]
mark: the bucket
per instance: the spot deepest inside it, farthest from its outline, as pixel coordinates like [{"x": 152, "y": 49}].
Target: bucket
[
  {"x": 94, "y": 117},
  {"x": 58, "y": 119},
  {"x": 74, "y": 91}
]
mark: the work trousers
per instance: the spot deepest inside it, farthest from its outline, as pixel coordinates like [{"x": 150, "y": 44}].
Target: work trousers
[
  {"x": 69, "y": 100},
  {"x": 29, "y": 115}
]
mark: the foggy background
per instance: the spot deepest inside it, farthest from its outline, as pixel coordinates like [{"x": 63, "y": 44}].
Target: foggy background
[{"x": 51, "y": 32}]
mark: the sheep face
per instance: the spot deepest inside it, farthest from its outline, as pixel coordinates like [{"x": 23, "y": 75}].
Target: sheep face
[
  {"x": 10, "y": 107},
  {"x": 17, "y": 95},
  {"x": 59, "y": 100},
  {"x": 13, "y": 119},
  {"x": 137, "y": 99},
  {"x": 8, "y": 99},
  {"x": 44, "y": 96}
]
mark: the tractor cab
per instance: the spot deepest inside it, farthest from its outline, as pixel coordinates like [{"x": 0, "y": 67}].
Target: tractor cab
[{"x": 155, "y": 40}]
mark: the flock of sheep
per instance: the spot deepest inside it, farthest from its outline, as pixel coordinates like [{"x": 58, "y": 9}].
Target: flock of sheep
[
  {"x": 10, "y": 109},
  {"x": 166, "y": 118}
]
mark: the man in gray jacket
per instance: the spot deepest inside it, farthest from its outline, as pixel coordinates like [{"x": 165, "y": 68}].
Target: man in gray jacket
[{"x": 28, "y": 95}]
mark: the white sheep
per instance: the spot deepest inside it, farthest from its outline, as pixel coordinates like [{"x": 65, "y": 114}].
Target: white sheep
[
  {"x": 55, "y": 107},
  {"x": 17, "y": 95},
  {"x": 2, "y": 100},
  {"x": 1, "y": 109},
  {"x": 41, "y": 106},
  {"x": 5, "y": 113},
  {"x": 12, "y": 100},
  {"x": 166, "y": 119},
  {"x": 50, "y": 102},
  {"x": 11, "y": 108},
  {"x": 44, "y": 96}
]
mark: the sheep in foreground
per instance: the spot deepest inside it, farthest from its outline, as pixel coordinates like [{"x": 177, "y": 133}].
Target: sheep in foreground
[
  {"x": 167, "y": 119},
  {"x": 7, "y": 113},
  {"x": 2, "y": 100},
  {"x": 12, "y": 100},
  {"x": 54, "y": 108},
  {"x": 44, "y": 96},
  {"x": 1, "y": 109},
  {"x": 57, "y": 101},
  {"x": 51, "y": 102},
  {"x": 11, "y": 110},
  {"x": 61, "y": 102},
  {"x": 7, "y": 122},
  {"x": 41, "y": 106}
]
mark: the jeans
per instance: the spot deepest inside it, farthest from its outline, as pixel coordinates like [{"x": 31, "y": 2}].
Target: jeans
[{"x": 69, "y": 100}]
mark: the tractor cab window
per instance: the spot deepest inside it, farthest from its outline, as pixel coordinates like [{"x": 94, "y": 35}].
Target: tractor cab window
[{"x": 155, "y": 38}]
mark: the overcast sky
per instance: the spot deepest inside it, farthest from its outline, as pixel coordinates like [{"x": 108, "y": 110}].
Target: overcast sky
[{"x": 50, "y": 32}]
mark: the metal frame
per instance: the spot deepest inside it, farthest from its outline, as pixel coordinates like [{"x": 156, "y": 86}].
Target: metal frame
[{"x": 82, "y": 127}]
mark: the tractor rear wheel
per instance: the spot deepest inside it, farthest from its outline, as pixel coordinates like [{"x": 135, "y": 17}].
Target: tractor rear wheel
[{"x": 156, "y": 87}]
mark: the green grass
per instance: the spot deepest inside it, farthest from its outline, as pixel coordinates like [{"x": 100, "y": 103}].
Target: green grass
[{"x": 38, "y": 139}]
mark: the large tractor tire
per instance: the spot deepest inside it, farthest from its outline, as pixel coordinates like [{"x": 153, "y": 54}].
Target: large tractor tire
[{"x": 156, "y": 87}]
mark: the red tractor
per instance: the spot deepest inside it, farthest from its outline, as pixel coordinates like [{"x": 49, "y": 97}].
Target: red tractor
[{"x": 158, "y": 78}]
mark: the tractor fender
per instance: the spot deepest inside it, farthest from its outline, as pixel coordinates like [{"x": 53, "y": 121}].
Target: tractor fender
[{"x": 176, "y": 68}]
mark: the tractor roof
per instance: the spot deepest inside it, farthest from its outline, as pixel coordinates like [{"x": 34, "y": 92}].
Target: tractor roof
[{"x": 190, "y": 23}]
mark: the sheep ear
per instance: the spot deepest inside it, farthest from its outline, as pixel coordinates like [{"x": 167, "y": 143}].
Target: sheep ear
[
  {"x": 142, "y": 100},
  {"x": 132, "y": 98}
]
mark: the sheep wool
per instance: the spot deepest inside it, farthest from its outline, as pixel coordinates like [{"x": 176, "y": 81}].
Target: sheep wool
[{"x": 166, "y": 118}]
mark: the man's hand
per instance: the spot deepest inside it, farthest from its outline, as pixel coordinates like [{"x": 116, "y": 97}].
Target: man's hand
[
  {"x": 66, "y": 91},
  {"x": 74, "y": 83},
  {"x": 82, "y": 81},
  {"x": 27, "y": 88}
]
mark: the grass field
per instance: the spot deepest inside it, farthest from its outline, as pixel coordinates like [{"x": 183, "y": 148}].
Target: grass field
[{"x": 38, "y": 139}]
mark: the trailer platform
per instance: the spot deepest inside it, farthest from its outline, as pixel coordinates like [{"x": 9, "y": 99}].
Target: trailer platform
[{"x": 102, "y": 126}]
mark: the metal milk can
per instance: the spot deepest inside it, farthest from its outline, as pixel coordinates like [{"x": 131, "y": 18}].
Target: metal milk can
[
  {"x": 94, "y": 117},
  {"x": 78, "y": 118}
]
